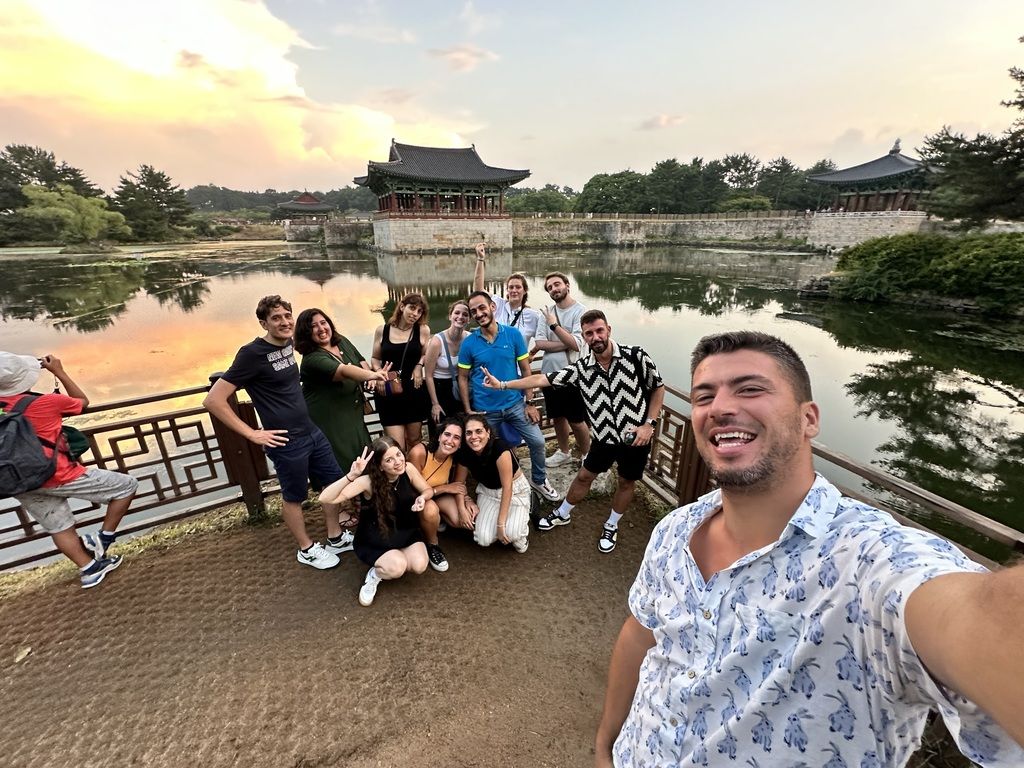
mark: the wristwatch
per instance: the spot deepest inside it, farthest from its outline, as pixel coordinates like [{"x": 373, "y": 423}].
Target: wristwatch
[
  {"x": 553, "y": 326},
  {"x": 653, "y": 422}
]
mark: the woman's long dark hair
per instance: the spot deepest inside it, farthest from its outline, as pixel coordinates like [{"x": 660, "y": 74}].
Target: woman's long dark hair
[
  {"x": 380, "y": 487},
  {"x": 303, "y": 336},
  {"x": 435, "y": 441}
]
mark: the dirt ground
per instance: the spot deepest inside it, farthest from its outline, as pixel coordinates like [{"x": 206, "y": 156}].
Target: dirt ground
[{"x": 221, "y": 650}]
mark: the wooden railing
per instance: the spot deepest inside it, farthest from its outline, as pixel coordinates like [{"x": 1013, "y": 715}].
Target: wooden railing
[{"x": 188, "y": 463}]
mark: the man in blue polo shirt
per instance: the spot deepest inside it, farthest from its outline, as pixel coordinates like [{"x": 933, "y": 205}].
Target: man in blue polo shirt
[{"x": 502, "y": 348}]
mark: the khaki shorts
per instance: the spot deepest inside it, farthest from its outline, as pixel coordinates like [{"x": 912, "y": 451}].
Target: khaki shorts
[{"x": 49, "y": 506}]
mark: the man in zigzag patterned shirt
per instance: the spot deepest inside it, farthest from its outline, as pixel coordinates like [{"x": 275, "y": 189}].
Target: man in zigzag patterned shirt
[{"x": 623, "y": 393}]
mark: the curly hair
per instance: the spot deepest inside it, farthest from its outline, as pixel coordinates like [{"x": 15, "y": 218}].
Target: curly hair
[
  {"x": 303, "y": 334},
  {"x": 266, "y": 306},
  {"x": 381, "y": 490}
]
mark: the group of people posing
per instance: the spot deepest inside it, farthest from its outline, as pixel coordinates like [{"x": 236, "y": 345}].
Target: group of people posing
[{"x": 474, "y": 391}]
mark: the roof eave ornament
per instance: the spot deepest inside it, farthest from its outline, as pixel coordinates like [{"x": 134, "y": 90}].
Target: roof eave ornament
[{"x": 895, "y": 148}]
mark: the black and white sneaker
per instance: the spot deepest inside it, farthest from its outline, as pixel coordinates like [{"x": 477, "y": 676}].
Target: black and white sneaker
[
  {"x": 94, "y": 545},
  {"x": 552, "y": 520},
  {"x": 318, "y": 557},
  {"x": 343, "y": 543},
  {"x": 607, "y": 541},
  {"x": 437, "y": 559}
]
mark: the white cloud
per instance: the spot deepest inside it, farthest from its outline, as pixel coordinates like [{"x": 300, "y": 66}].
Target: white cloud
[
  {"x": 475, "y": 21},
  {"x": 376, "y": 34},
  {"x": 465, "y": 57},
  {"x": 658, "y": 122}
]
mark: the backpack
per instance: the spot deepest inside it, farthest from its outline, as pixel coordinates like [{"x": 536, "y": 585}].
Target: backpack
[{"x": 23, "y": 465}]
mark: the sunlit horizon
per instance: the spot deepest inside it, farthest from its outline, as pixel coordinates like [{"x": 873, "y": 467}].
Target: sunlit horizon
[{"x": 267, "y": 94}]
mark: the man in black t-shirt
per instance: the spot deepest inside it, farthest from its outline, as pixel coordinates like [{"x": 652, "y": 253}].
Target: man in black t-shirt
[{"x": 266, "y": 369}]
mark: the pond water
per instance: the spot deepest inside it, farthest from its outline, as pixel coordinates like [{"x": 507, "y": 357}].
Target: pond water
[{"x": 935, "y": 398}]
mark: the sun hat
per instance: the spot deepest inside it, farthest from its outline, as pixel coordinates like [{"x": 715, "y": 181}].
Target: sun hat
[{"x": 17, "y": 373}]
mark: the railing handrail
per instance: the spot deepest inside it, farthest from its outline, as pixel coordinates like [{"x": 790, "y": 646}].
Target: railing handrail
[{"x": 176, "y": 452}]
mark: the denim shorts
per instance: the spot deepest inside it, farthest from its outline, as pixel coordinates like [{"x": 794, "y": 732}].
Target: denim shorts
[{"x": 303, "y": 461}]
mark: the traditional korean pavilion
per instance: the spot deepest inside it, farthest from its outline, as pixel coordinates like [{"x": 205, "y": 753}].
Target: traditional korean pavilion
[
  {"x": 891, "y": 182},
  {"x": 432, "y": 182},
  {"x": 304, "y": 208}
]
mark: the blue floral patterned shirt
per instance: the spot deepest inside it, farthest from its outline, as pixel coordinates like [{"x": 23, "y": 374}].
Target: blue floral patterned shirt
[{"x": 797, "y": 655}]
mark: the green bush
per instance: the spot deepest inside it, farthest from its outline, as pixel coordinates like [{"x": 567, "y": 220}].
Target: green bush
[{"x": 988, "y": 269}]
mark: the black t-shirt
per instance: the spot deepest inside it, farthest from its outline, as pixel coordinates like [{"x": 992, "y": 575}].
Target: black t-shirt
[
  {"x": 484, "y": 466},
  {"x": 271, "y": 377}
]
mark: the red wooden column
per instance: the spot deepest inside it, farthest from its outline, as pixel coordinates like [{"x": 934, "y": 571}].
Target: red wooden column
[
  {"x": 501, "y": 202},
  {"x": 393, "y": 202}
]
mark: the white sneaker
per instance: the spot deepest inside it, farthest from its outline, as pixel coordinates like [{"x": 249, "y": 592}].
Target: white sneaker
[
  {"x": 557, "y": 459},
  {"x": 546, "y": 491},
  {"x": 369, "y": 589},
  {"x": 343, "y": 543},
  {"x": 521, "y": 545},
  {"x": 318, "y": 557}
]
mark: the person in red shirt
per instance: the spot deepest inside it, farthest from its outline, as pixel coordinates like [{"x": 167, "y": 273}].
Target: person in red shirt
[{"x": 48, "y": 505}]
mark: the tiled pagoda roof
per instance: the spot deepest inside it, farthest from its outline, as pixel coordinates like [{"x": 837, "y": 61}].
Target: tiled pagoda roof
[{"x": 458, "y": 166}]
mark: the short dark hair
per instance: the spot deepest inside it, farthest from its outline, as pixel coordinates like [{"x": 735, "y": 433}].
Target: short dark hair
[
  {"x": 266, "y": 306},
  {"x": 592, "y": 316},
  {"x": 303, "y": 335},
  {"x": 474, "y": 294},
  {"x": 411, "y": 299},
  {"x": 549, "y": 275},
  {"x": 783, "y": 354}
]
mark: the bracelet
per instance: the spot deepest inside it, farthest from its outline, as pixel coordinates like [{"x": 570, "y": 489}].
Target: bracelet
[
  {"x": 350, "y": 479},
  {"x": 504, "y": 385}
]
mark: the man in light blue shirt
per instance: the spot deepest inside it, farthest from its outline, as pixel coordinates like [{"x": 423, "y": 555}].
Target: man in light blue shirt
[
  {"x": 777, "y": 623},
  {"x": 502, "y": 348}
]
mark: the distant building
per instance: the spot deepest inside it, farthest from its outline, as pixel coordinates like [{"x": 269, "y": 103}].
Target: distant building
[
  {"x": 435, "y": 198},
  {"x": 889, "y": 183},
  {"x": 304, "y": 209}
]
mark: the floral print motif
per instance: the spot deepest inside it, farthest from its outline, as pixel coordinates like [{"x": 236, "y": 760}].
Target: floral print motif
[{"x": 798, "y": 653}]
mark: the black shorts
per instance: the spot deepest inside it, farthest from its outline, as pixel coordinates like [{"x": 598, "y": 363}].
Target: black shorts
[
  {"x": 565, "y": 402},
  {"x": 631, "y": 459}
]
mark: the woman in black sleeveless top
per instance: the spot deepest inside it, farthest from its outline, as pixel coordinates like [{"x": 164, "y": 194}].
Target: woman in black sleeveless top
[
  {"x": 389, "y": 537},
  {"x": 402, "y": 341}
]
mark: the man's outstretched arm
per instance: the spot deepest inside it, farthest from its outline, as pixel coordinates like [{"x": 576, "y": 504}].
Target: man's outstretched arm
[
  {"x": 623, "y": 673},
  {"x": 968, "y": 629}
]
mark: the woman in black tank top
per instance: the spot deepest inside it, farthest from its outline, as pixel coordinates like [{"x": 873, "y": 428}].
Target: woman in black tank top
[
  {"x": 389, "y": 537},
  {"x": 402, "y": 341}
]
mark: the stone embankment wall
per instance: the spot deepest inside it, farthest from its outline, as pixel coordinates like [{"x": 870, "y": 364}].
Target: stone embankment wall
[
  {"x": 333, "y": 232},
  {"x": 398, "y": 235},
  {"x": 839, "y": 230}
]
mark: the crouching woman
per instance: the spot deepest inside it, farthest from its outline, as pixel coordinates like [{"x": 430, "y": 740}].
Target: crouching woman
[
  {"x": 388, "y": 538},
  {"x": 502, "y": 508}
]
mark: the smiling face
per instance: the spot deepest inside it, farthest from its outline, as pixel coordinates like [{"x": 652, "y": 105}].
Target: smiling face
[
  {"x": 459, "y": 316},
  {"x": 514, "y": 291},
  {"x": 477, "y": 435},
  {"x": 393, "y": 462},
  {"x": 449, "y": 441},
  {"x": 482, "y": 311},
  {"x": 322, "y": 331},
  {"x": 751, "y": 428},
  {"x": 598, "y": 335},
  {"x": 279, "y": 325},
  {"x": 557, "y": 288}
]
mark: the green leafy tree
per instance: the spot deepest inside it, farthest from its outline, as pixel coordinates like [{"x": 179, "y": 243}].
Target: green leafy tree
[
  {"x": 21, "y": 164},
  {"x": 741, "y": 171},
  {"x": 778, "y": 180},
  {"x": 63, "y": 215},
  {"x": 743, "y": 202},
  {"x": 981, "y": 178},
  {"x": 151, "y": 203},
  {"x": 548, "y": 200},
  {"x": 620, "y": 192}
]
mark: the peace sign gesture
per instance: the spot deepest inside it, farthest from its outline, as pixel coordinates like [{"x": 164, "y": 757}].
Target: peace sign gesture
[{"x": 359, "y": 464}]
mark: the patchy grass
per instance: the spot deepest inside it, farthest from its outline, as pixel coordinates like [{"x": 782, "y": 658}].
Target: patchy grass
[{"x": 164, "y": 537}]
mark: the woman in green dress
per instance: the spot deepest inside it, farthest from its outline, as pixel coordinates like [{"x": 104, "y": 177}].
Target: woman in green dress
[{"x": 332, "y": 373}]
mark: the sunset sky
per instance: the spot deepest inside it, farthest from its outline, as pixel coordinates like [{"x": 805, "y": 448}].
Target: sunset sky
[{"x": 256, "y": 94}]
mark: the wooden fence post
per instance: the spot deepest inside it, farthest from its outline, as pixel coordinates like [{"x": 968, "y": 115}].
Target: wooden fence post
[{"x": 246, "y": 463}]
